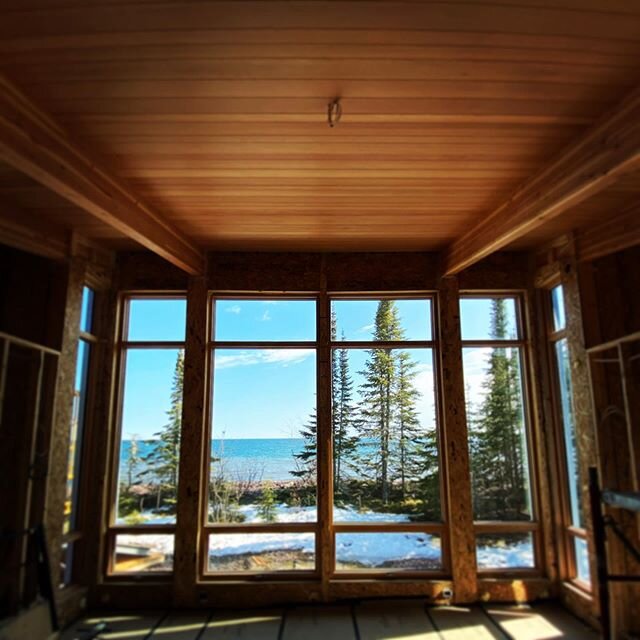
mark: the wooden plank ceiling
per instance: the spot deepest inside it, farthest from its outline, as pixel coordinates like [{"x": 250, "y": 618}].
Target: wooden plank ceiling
[{"x": 214, "y": 113}]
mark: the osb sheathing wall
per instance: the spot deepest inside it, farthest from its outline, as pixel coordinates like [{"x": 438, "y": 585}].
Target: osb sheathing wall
[
  {"x": 609, "y": 287},
  {"x": 317, "y": 274},
  {"x": 602, "y": 304}
]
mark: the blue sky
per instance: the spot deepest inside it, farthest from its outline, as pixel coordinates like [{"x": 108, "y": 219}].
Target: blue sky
[{"x": 268, "y": 393}]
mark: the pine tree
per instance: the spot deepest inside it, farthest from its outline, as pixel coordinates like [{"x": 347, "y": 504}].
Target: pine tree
[
  {"x": 162, "y": 461},
  {"x": 378, "y": 401},
  {"x": 343, "y": 418},
  {"x": 406, "y": 395},
  {"x": 498, "y": 463},
  {"x": 306, "y": 461},
  {"x": 267, "y": 506}
]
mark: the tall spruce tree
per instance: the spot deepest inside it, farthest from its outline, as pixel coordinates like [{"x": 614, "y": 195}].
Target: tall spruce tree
[
  {"x": 498, "y": 462},
  {"x": 162, "y": 461},
  {"x": 306, "y": 459},
  {"x": 378, "y": 400},
  {"x": 343, "y": 418},
  {"x": 409, "y": 464}
]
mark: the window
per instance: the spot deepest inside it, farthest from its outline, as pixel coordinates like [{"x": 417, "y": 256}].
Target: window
[
  {"x": 493, "y": 361},
  {"x": 262, "y": 501},
  {"x": 386, "y": 472},
  {"x": 70, "y": 533},
  {"x": 573, "y": 516},
  {"x": 150, "y": 419}
]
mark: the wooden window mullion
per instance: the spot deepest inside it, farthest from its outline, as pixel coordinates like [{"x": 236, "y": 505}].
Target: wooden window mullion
[{"x": 455, "y": 450}]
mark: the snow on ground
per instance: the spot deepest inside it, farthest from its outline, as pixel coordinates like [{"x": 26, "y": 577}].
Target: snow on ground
[{"x": 366, "y": 549}]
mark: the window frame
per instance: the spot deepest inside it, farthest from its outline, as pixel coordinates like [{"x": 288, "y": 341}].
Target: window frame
[
  {"x": 523, "y": 344},
  {"x": 207, "y": 528},
  {"x": 440, "y": 528},
  {"x": 121, "y": 346},
  {"x": 569, "y": 532}
]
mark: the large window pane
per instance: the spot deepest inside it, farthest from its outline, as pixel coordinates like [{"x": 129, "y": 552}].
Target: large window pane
[
  {"x": 262, "y": 552},
  {"x": 407, "y": 551},
  {"x": 505, "y": 551},
  {"x": 265, "y": 320},
  {"x": 385, "y": 442},
  {"x": 263, "y": 450},
  {"x": 568, "y": 424},
  {"x": 153, "y": 320},
  {"x": 382, "y": 320},
  {"x": 143, "y": 553},
  {"x": 150, "y": 436},
  {"x": 481, "y": 321},
  {"x": 497, "y": 435}
]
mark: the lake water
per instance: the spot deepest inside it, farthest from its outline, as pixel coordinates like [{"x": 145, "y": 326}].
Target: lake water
[{"x": 248, "y": 458}]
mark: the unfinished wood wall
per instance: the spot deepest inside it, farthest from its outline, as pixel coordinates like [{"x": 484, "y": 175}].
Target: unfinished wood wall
[{"x": 611, "y": 284}]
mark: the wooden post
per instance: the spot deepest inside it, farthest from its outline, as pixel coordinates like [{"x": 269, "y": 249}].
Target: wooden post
[
  {"x": 544, "y": 448},
  {"x": 581, "y": 386},
  {"x": 193, "y": 447},
  {"x": 455, "y": 449},
  {"x": 60, "y": 434},
  {"x": 325, "y": 450}
]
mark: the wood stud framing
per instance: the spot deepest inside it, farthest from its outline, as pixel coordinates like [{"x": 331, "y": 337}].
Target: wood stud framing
[{"x": 60, "y": 435}]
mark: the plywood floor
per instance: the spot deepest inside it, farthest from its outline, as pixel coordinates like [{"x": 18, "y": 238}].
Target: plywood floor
[{"x": 371, "y": 620}]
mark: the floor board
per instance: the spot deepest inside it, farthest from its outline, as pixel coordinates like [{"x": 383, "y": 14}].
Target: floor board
[
  {"x": 524, "y": 622},
  {"x": 464, "y": 623},
  {"x": 248, "y": 625},
  {"x": 368, "y": 620},
  {"x": 180, "y": 626},
  {"x": 319, "y": 623},
  {"x": 570, "y": 626},
  {"x": 377, "y": 620},
  {"x": 119, "y": 626}
]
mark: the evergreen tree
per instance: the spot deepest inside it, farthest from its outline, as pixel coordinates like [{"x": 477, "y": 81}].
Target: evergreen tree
[
  {"x": 162, "y": 461},
  {"x": 267, "y": 506},
  {"x": 410, "y": 466},
  {"x": 343, "y": 418},
  {"x": 306, "y": 461},
  {"x": 498, "y": 463},
  {"x": 378, "y": 399},
  {"x": 343, "y": 413}
]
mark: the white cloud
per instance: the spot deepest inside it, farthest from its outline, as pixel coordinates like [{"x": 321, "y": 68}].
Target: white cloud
[
  {"x": 283, "y": 357},
  {"x": 235, "y": 309},
  {"x": 366, "y": 329},
  {"x": 266, "y": 316}
]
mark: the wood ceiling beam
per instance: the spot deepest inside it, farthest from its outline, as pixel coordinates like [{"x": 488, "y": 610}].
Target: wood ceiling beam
[
  {"x": 607, "y": 151},
  {"x": 33, "y": 143}
]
